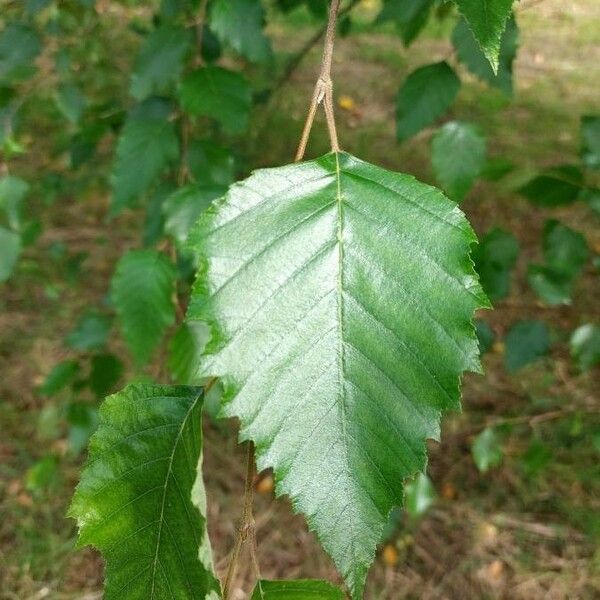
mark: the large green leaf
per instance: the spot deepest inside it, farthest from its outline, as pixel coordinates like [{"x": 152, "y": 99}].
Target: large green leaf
[
  {"x": 340, "y": 297},
  {"x": 160, "y": 61},
  {"x": 239, "y": 24},
  {"x": 220, "y": 94},
  {"x": 142, "y": 288},
  {"x": 426, "y": 95},
  {"x": 147, "y": 146},
  {"x": 297, "y": 589},
  {"x": 487, "y": 19},
  {"x": 141, "y": 499},
  {"x": 458, "y": 157},
  {"x": 470, "y": 54}
]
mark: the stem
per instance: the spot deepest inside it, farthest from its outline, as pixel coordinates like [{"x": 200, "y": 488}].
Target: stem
[
  {"x": 200, "y": 30},
  {"x": 247, "y": 525},
  {"x": 323, "y": 91}
]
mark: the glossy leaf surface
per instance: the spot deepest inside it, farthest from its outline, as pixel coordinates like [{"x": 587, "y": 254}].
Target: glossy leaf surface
[
  {"x": 141, "y": 499},
  {"x": 340, "y": 297}
]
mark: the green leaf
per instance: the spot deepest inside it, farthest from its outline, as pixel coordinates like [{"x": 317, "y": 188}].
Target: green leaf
[
  {"x": 585, "y": 346},
  {"x": 185, "y": 351},
  {"x": 142, "y": 288},
  {"x": 420, "y": 496},
  {"x": 487, "y": 20},
  {"x": 141, "y": 499},
  {"x": 211, "y": 164},
  {"x": 410, "y": 17},
  {"x": 183, "y": 207},
  {"x": 470, "y": 54},
  {"x": 495, "y": 258},
  {"x": 83, "y": 421},
  {"x": 220, "y": 94},
  {"x": 12, "y": 193},
  {"x": 339, "y": 333},
  {"x": 458, "y": 157},
  {"x": 105, "y": 374},
  {"x": 552, "y": 286},
  {"x": 239, "y": 24},
  {"x": 90, "y": 333},
  {"x": 71, "y": 102},
  {"x": 160, "y": 61},
  {"x": 526, "y": 342},
  {"x": 19, "y": 47},
  {"x": 10, "y": 248},
  {"x": 147, "y": 145},
  {"x": 297, "y": 589},
  {"x": 556, "y": 186},
  {"x": 426, "y": 95},
  {"x": 487, "y": 450},
  {"x": 60, "y": 376},
  {"x": 590, "y": 131},
  {"x": 485, "y": 335},
  {"x": 42, "y": 474},
  {"x": 536, "y": 457}
]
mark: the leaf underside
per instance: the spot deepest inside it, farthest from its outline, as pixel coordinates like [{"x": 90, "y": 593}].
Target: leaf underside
[
  {"x": 340, "y": 297},
  {"x": 140, "y": 500}
]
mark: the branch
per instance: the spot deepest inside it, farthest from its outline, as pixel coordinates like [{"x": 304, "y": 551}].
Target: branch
[{"x": 323, "y": 91}]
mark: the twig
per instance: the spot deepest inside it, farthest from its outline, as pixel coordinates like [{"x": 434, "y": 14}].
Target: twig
[
  {"x": 247, "y": 526},
  {"x": 323, "y": 91},
  {"x": 200, "y": 21}
]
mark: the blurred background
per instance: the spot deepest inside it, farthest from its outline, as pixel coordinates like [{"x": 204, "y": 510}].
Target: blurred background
[{"x": 110, "y": 147}]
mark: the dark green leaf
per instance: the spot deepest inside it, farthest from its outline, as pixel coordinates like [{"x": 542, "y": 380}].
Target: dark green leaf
[
  {"x": 90, "y": 333},
  {"x": 297, "y": 589},
  {"x": 19, "y": 47},
  {"x": 555, "y": 186},
  {"x": 470, "y": 54},
  {"x": 419, "y": 496},
  {"x": 458, "y": 157},
  {"x": 585, "y": 346},
  {"x": 590, "y": 131},
  {"x": 83, "y": 421},
  {"x": 142, "y": 288},
  {"x": 71, "y": 102},
  {"x": 487, "y": 19},
  {"x": 105, "y": 374},
  {"x": 526, "y": 342},
  {"x": 553, "y": 286},
  {"x": 10, "y": 248},
  {"x": 535, "y": 458},
  {"x": 60, "y": 376},
  {"x": 160, "y": 61},
  {"x": 495, "y": 258},
  {"x": 410, "y": 16},
  {"x": 220, "y": 94},
  {"x": 426, "y": 95},
  {"x": 300, "y": 283},
  {"x": 185, "y": 351},
  {"x": 564, "y": 248},
  {"x": 142, "y": 503},
  {"x": 485, "y": 335},
  {"x": 147, "y": 145},
  {"x": 239, "y": 24},
  {"x": 211, "y": 164},
  {"x": 487, "y": 450}
]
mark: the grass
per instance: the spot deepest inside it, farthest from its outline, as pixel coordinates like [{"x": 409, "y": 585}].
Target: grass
[{"x": 511, "y": 533}]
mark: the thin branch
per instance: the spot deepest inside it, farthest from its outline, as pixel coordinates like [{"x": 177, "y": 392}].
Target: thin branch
[
  {"x": 199, "y": 25},
  {"x": 323, "y": 91},
  {"x": 247, "y": 526}
]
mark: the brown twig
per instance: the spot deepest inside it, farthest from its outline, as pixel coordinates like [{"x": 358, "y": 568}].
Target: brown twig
[
  {"x": 199, "y": 26},
  {"x": 323, "y": 91},
  {"x": 247, "y": 528}
]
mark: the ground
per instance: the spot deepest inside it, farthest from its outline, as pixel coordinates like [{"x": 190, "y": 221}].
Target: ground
[{"x": 505, "y": 534}]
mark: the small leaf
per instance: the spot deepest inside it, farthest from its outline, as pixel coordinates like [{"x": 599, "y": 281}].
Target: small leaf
[
  {"x": 536, "y": 458},
  {"x": 590, "y": 131},
  {"x": 585, "y": 346},
  {"x": 426, "y": 95},
  {"x": 458, "y": 157},
  {"x": 410, "y": 17},
  {"x": 485, "y": 336},
  {"x": 552, "y": 286},
  {"x": 556, "y": 186},
  {"x": 211, "y": 164},
  {"x": 470, "y": 54},
  {"x": 19, "y": 47},
  {"x": 333, "y": 362},
  {"x": 239, "y": 24},
  {"x": 71, "y": 102},
  {"x": 10, "y": 248},
  {"x": 83, "y": 422},
  {"x": 183, "y": 207},
  {"x": 160, "y": 61},
  {"x": 220, "y": 94},
  {"x": 419, "y": 496},
  {"x": 90, "y": 333},
  {"x": 43, "y": 474},
  {"x": 495, "y": 258},
  {"x": 185, "y": 351},
  {"x": 526, "y": 342},
  {"x": 147, "y": 145},
  {"x": 487, "y": 19},
  {"x": 296, "y": 589},
  {"x": 105, "y": 374},
  {"x": 60, "y": 376},
  {"x": 564, "y": 248},
  {"x": 142, "y": 288},
  {"x": 142, "y": 503},
  {"x": 12, "y": 194},
  {"x": 487, "y": 450}
]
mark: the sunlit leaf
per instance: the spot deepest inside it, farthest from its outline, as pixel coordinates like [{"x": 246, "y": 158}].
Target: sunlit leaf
[{"x": 585, "y": 346}]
